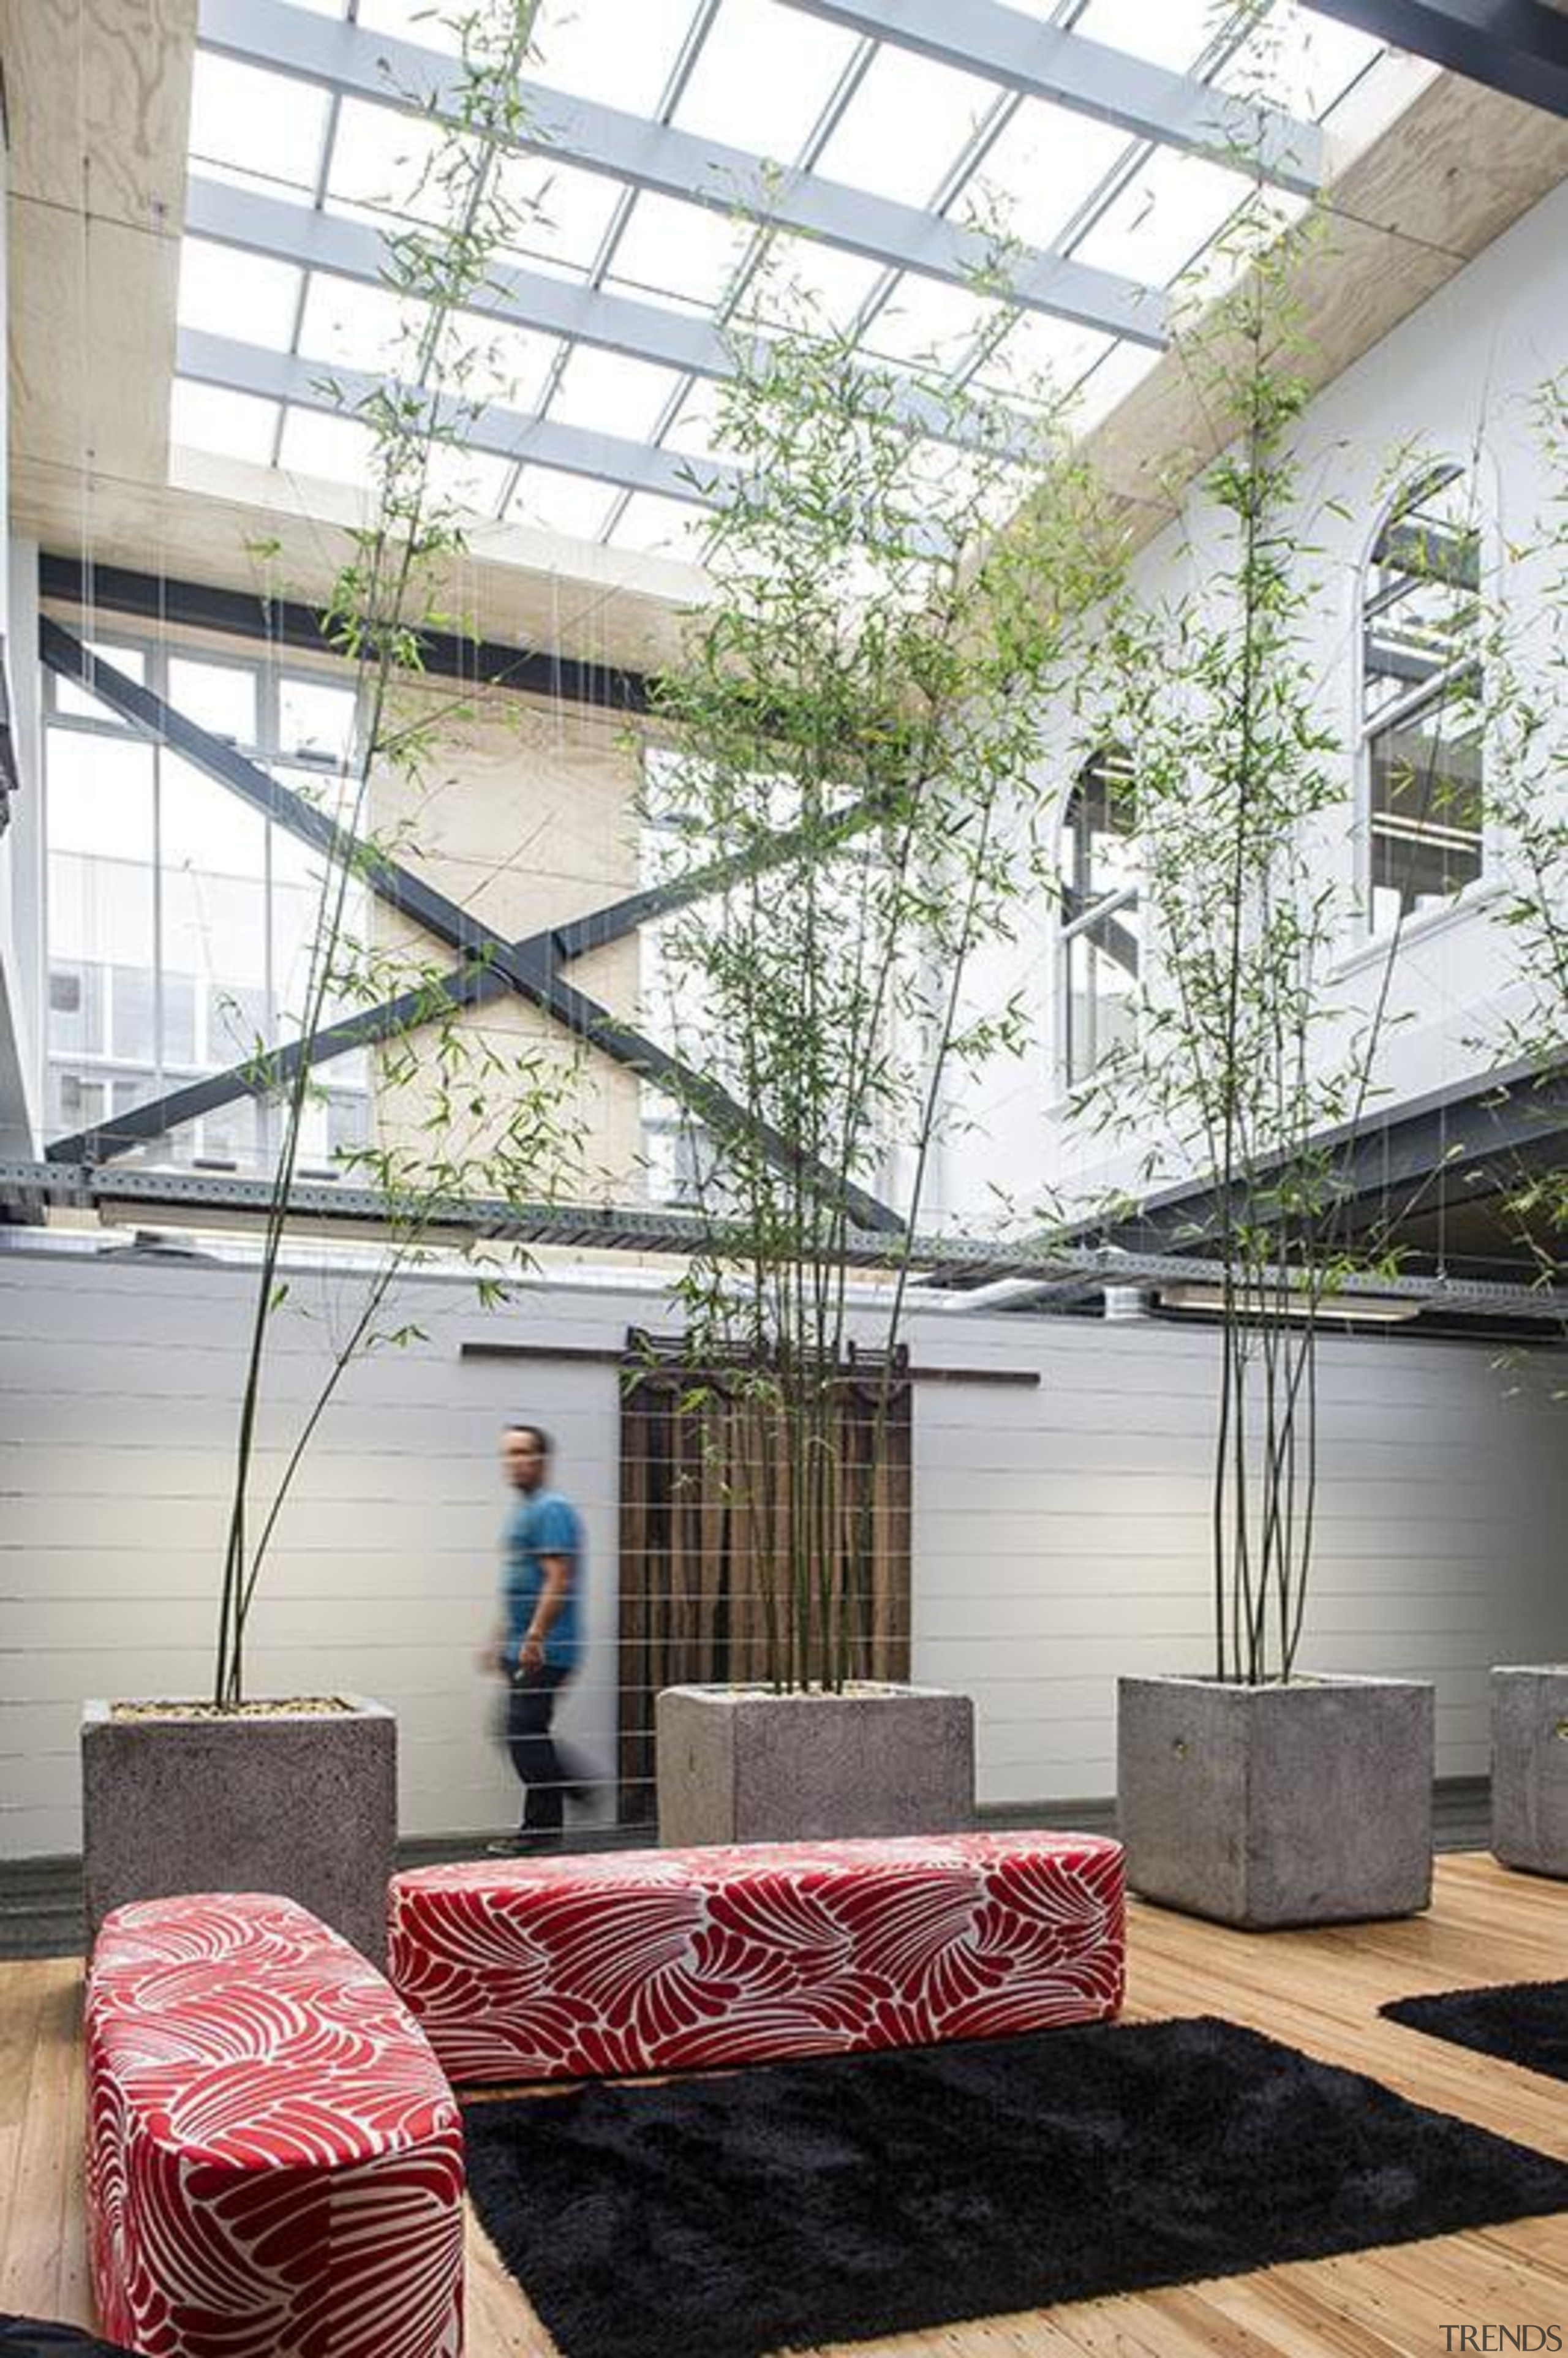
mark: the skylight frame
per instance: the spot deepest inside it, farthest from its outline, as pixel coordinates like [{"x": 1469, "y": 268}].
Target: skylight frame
[{"x": 574, "y": 302}]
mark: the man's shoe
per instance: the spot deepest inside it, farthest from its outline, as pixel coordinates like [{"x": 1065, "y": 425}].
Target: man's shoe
[{"x": 526, "y": 1844}]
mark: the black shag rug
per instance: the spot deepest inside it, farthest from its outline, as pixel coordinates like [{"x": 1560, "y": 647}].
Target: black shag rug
[
  {"x": 35, "y": 2337},
  {"x": 793, "y": 2203},
  {"x": 1522, "y": 2022}
]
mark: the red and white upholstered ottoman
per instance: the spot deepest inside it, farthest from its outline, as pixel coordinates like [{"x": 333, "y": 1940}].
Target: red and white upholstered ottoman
[
  {"x": 665, "y": 1959},
  {"x": 274, "y": 2163}
]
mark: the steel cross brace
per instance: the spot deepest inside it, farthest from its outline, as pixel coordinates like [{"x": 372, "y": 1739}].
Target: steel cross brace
[{"x": 492, "y": 965}]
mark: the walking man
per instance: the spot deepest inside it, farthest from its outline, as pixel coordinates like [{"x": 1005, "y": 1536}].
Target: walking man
[{"x": 540, "y": 1644}]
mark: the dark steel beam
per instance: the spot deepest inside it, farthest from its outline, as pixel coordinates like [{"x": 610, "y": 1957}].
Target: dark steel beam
[
  {"x": 944, "y": 1264},
  {"x": 1502, "y": 1125},
  {"x": 530, "y": 967},
  {"x": 1518, "y": 47},
  {"x": 286, "y": 623}
]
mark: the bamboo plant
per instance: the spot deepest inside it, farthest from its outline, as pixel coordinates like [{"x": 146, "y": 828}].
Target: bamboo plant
[
  {"x": 455, "y": 1116},
  {"x": 855, "y": 733},
  {"x": 1246, "y": 1072}
]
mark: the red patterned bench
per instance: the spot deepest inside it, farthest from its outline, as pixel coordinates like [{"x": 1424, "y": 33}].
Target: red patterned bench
[
  {"x": 275, "y": 2162},
  {"x": 654, "y": 1961}
]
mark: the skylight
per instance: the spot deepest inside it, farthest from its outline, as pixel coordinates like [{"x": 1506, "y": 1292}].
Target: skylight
[
  {"x": 246, "y": 122},
  {"x": 569, "y": 52},
  {"x": 228, "y": 294},
  {"x": 1163, "y": 217},
  {"x": 905, "y": 126},
  {"x": 684, "y": 254},
  {"x": 1043, "y": 168},
  {"x": 763, "y": 77},
  {"x": 870, "y": 136}
]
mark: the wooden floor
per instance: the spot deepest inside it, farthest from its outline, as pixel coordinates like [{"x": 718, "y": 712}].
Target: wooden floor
[{"x": 1319, "y": 1991}]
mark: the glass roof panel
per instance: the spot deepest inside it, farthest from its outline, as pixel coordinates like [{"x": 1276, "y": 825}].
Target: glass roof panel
[
  {"x": 1042, "y": 358},
  {"x": 1307, "y": 61},
  {"x": 568, "y": 49},
  {"x": 763, "y": 77},
  {"x": 350, "y": 326},
  {"x": 760, "y": 79},
  {"x": 1123, "y": 367},
  {"x": 382, "y": 161},
  {"x": 930, "y": 321},
  {"x": 610, "y": 394},
  {"x": 553, "y": 502},
  {"x": 338, "y": 448},
  {"x": 985, "y": 495},
  {"x": 475, "y": 480},
  {"x": 245, "y": 295},
  {"x": 687, "y": 253},
  {"x": 905, "y": 126},
  {"x": 560, "y": 214},
  {"x": 484, "y": 359},
  {"x": 225, "y": 425},
  {"x": 696, "y": 428},
  {"x": 1174, "y": 34},
  {"x": 432, "y": 24},
  {"x": 260, "y": 124},
  {"x": 823, "y": 280},
  {"x": 659, "y": 527},
  {"x": 1040, "y": 171},
  {"x": 1163, "y": 218}
]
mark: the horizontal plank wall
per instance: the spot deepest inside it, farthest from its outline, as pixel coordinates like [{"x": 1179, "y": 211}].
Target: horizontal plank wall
[{"x": 1059, "y": 1536}]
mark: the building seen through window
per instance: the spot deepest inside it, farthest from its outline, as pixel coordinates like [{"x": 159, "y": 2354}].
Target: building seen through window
[
  {"x": 180, "y": 920},
  {"x": 1423, "y": 758},
  {"x": 1101, "y": 920}
]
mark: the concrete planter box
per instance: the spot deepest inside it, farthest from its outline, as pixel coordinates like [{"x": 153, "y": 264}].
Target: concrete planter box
[
  {"x": 1263, "y": 1806},
  {"x": 740, "y": 1764},
  {"x": 304, "y": 1803},
  {"x": 1529, "y": 1768}
]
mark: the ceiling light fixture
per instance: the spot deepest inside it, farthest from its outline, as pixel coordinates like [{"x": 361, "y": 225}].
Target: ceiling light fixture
[{"x": 1355, "y": 1309}]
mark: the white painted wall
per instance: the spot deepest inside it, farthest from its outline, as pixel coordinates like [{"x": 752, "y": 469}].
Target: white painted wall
[
  {"x": 1461, "y": 371},
  {"x": 21, "y": 845},
  {"x": 1059, "y": 1531}
]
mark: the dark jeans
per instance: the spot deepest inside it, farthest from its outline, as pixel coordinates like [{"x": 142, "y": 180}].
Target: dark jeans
[{"x": 545, "y": 1773}]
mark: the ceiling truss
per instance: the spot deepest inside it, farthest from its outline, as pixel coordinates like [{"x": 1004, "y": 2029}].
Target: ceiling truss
[{"x": 353, "y": 63}]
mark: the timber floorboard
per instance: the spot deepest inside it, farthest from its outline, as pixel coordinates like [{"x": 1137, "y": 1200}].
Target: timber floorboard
[{"x": 1318, "y": 1991}]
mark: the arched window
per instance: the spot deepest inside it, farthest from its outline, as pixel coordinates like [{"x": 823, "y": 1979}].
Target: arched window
[
  {"x": 1423, "y": 758},
  {"x": 1100, "y": 923}
]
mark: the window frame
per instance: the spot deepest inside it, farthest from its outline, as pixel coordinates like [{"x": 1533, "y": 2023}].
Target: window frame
[
  {"x": 1077, "y": 922},
  {"x": 1437, "y": 473},
  {"x": 165, "y": 1073}
]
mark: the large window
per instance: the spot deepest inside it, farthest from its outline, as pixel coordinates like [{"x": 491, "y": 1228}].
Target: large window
[
  {"x": 179, "y": 919},
  {"x": 1423, "y": 755},
  {"x": 1100, "y": 952}
]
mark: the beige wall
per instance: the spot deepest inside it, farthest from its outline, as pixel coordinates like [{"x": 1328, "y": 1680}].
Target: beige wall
[{"x": 526, "y": 816}]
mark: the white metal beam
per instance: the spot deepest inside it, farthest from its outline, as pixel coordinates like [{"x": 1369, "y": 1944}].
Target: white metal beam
[
  {"x": 346, "y": 59},
  {"x": 501, "y": 433},
  {"x": 254, "y": 223},
  {"x": 983, "y": 36}
]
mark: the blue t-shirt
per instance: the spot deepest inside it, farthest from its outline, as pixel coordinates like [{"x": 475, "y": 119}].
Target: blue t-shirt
[{"x": 543, "y": 1523}]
